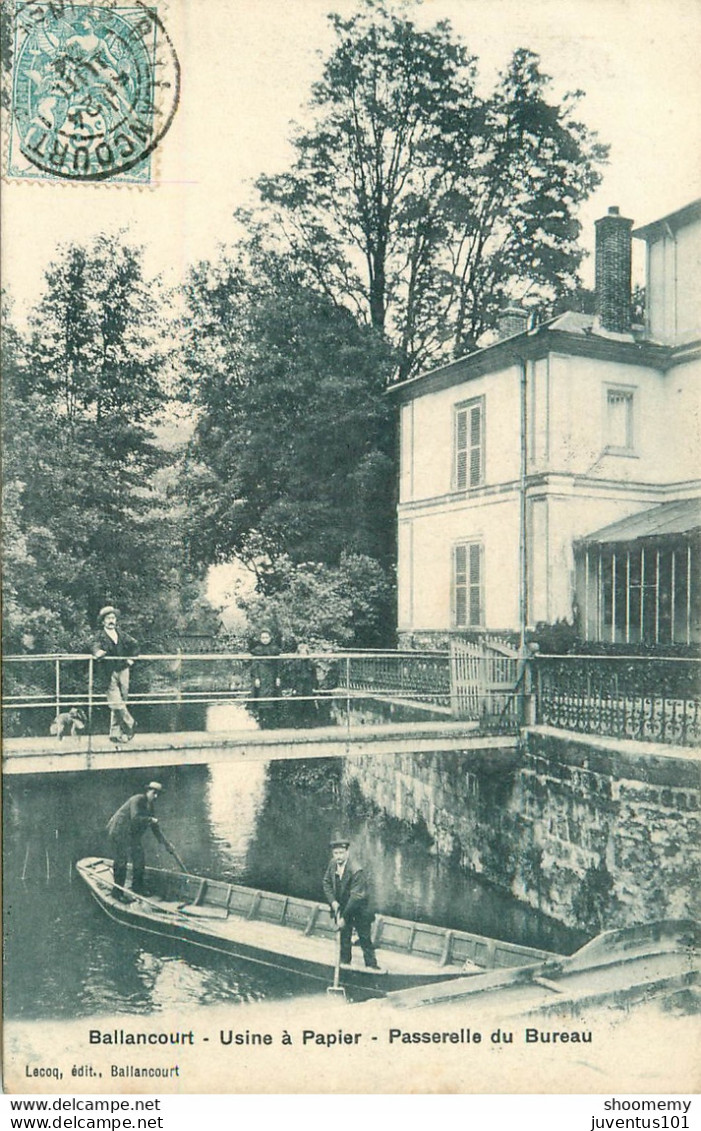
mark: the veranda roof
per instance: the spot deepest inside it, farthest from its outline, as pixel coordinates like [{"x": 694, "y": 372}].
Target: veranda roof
[{"x": 682, "y": 517}]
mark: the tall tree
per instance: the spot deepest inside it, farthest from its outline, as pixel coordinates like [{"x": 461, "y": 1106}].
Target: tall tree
[
  {"x": 293, "y": 449},
  {"x": 98, "y": 346},
  {"x": 91, "y": 510},
  {"x": 30, "y": 612},
  {"x": 422, "y": 204}
]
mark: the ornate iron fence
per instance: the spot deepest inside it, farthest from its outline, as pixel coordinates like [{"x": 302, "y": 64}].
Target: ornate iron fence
[
  {"x": 419, "y": 676},
  {"x": 646, "y": 698}
]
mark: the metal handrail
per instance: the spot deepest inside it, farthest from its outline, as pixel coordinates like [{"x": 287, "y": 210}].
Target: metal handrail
[
  {"x": 348, "y": 683},
  {"x": 422, "y": 677},
  {"x": 538, "y": 656},
  {"x": 340, "y": 655}
]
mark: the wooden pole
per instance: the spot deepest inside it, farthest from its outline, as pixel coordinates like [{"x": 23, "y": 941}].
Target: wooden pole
[
  {"x": 613, "y": 598},
  {"x": 91, "y": 674},
  {"x": 586, "y": 594},
  {"x": 688, "y": 594},
  {"x": 642, "y": 594},
  {"x": 628, "y": 597},
  {"x": 657, "y": 597},
  {"x": 57, "y": 682},
  {"x": 673, "y": 584}
]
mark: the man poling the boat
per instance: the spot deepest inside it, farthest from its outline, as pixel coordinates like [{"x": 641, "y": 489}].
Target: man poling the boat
[
  {"x": 346, "y": 891},
  {"x": 125, "y": 829}
]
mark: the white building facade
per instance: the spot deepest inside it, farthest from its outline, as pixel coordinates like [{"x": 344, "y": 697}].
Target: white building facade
[{"x": 515, "y": 461}]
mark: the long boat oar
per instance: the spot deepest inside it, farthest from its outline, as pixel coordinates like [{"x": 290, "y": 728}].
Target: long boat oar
[
  {"x": 337, "y": 990},
  {"x": 169, "y": 848}
]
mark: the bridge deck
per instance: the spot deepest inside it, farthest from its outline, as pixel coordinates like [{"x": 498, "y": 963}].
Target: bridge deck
[{"x": 49, "y": 755}]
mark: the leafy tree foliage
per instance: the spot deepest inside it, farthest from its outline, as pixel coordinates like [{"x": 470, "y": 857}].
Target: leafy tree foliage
[
  {"x": 415, "y": 208},
  {"x": 97, "y": 350},
  {"x": 419, "y": 202},
  {"x": 293, "y": 449},
  {"x": 350, "y": 604},
  {"x": 89, "y": 513}
]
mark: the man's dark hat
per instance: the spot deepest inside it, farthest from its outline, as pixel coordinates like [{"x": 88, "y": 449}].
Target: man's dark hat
[{"x": 339, "y": 840}]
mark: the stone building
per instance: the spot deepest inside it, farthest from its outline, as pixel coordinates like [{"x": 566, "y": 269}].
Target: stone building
[{"x": 555, "y": 474}]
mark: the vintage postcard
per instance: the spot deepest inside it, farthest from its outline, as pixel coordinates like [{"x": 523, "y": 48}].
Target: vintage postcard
[{"x": 351, "y": 547}]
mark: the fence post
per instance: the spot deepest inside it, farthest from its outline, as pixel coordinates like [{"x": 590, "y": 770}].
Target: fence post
[
  {"x": 348, "y": 685},
  {"x": 58, "y": 691},
  {"x": 532, "y": 690},
  {"x": 527, "y": 711},
  {"x": 91, "y": 673}
]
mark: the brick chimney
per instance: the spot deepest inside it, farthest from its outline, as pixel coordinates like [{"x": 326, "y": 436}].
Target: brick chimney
[
  {"x": 613, "y": 270},
  {"x": 512, "y": 320}
]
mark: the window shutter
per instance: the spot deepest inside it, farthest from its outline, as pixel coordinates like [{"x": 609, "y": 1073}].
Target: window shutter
[
  {"x": 461, "y": 565},
  {"x": 460, "y": 586},
  {"x": 461, "y": 450},
  {"x": 469, "y": 429},
  {"x": 475, "y": 584},
  {"x": 475, "y": 445},
  {"x": 467, "y": 585},
  {"x": 474, "y": 564},
  {"x": 619, "y": 423}
]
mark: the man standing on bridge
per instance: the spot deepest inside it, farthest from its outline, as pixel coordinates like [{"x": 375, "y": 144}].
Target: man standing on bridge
[
  {"x": 125, "y": 830},
  {"x": 116, "y": 650},
  {"x": 346, "y": 891}
]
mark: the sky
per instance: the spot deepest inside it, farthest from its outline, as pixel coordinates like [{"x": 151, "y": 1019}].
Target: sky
[{"x": 247, "y": 66}]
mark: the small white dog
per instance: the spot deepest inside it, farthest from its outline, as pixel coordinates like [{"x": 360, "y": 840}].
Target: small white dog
[{"x": 70, "y": 722}]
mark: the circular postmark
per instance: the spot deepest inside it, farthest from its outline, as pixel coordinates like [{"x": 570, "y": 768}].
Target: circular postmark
[{"x": 95, "y": 86}]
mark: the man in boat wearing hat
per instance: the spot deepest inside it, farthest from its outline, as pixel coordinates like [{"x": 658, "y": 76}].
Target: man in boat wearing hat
[
  {"x": 346, "y": 892},
  {"x": 116, "y": 649},
  {"x": 125, "y": 830}
]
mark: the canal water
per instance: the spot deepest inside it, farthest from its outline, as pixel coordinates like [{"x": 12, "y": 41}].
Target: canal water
[{"x": 265, "y": 825}]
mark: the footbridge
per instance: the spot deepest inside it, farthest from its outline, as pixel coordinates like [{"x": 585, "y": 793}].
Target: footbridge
[
  {"x": 203, "y": 708},
  {"x": 198, "y": 709},
  {"x": 30, "y": 755}
]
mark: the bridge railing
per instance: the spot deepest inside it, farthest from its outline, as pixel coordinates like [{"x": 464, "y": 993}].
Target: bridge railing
[
  {"x": 415, "y": 675},
  {"x": 279, "y": 690},
  {"x": 655, "y": 699}
]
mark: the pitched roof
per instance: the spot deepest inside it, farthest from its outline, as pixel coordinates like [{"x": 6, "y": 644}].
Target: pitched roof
[
  {"x": 675, "y": 220},
  {"x": 681, "y": 517}
]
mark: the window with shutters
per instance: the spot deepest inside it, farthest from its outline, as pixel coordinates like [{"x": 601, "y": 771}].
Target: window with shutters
[
  {"x": 469, "y": 444},
  {"x": 618, "y": 423},
  {"x": 468, "y": 603}
]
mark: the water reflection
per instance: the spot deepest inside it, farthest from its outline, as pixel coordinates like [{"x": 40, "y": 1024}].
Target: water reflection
[
  {"x": 235, "y": 795},
  {"x": 264, "y": 825}
]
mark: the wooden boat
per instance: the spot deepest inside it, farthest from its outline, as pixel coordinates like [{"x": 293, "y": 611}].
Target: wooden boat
[
  {"x": 295, "y": 935},
  {"x": 618, "y": 967}
]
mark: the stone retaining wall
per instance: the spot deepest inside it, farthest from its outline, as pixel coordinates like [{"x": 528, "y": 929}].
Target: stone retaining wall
[{"x": 595, "y": 835}]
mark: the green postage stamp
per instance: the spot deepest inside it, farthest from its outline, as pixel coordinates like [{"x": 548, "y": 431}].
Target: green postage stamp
[{"x": 94, "y": 89}]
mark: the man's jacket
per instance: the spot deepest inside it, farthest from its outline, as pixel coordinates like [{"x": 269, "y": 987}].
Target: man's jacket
[
  {"x": 116, "y": 655},
  {"x": 132, "y": 819},
  {"x": 350, "y": 891}
]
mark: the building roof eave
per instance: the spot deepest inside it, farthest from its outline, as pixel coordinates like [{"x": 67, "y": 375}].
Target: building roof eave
[
  {"x": 687, "y": 351},
  {"x": 666, "y": 521},
  {"x": 670, "y": 223},
  {"x": 530, "y": 346}
]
